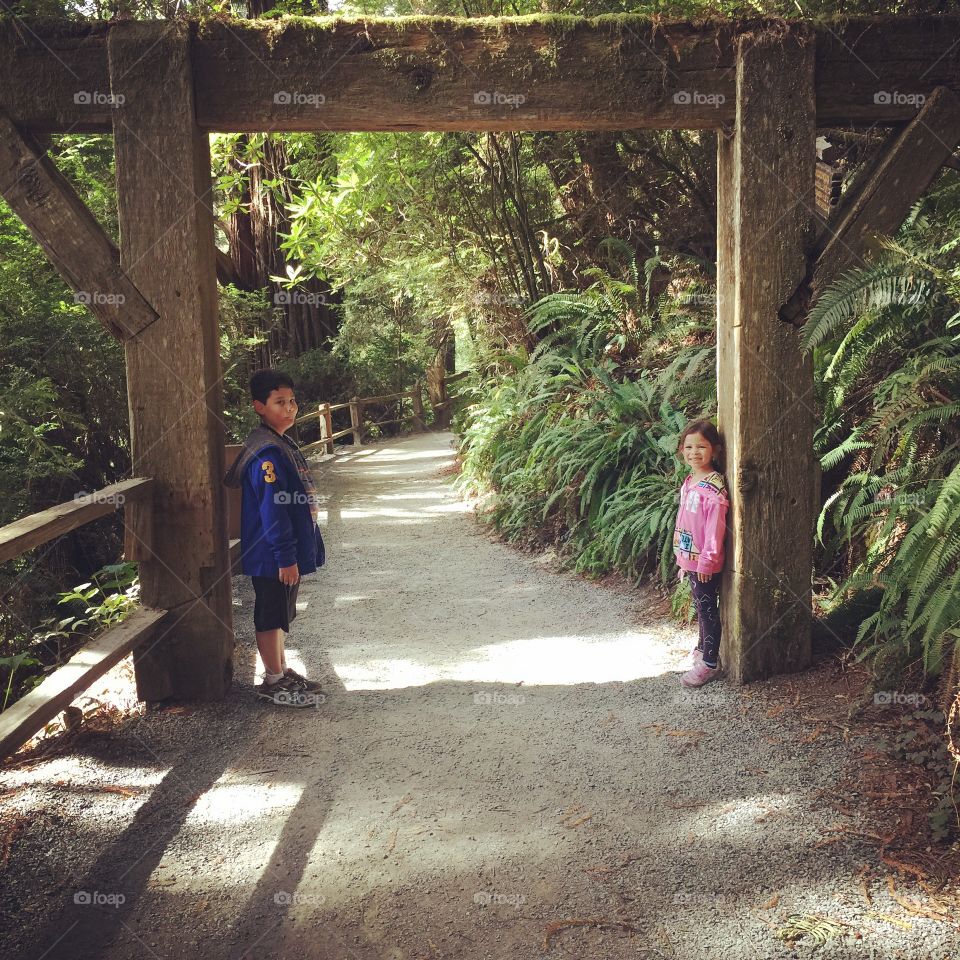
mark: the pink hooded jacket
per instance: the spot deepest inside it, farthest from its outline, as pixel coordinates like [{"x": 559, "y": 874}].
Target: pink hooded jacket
[{"x": 701, "y": 524}]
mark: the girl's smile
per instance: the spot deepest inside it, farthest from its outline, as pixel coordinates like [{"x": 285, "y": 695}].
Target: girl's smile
[{"x": 698, "y": 453}]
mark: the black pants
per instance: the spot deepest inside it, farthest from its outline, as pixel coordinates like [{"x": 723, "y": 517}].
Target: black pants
[
  {"x": 275, "y": 605},
  {"x": 706, "y": 598}
]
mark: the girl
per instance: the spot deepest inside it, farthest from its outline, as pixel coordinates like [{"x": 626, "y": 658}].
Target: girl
[{"x": 698, "y": 541}]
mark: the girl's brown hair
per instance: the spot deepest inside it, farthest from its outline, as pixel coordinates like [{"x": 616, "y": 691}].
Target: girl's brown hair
[{"x": 710, "y": 433}]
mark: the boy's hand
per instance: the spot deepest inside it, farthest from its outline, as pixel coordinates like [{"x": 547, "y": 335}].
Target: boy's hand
[{"x": 290, "y": 575}]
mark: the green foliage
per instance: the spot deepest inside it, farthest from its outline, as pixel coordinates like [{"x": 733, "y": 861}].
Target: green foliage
[
  {"x": 107, "y": 599},
  {"x": 887, "y": 351},
  {"x": 577, "y": 447}
]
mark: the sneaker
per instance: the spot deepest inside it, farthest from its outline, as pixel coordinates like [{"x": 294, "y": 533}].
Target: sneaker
[
  {"x": 287, "y": 692},
  {"x": 311, "y": 686},
  {"x": 696, "y": 654},
  {"x": 699, "y": 674}
]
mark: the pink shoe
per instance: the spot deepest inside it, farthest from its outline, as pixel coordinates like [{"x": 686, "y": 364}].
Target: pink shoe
[
  {"x": 696, "y": 654},
  {"x": 699, "y": 674}
]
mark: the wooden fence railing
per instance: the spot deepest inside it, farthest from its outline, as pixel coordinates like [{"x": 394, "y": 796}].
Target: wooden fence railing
[
  {"x": 357, "y": 406},
  {"x": 31, "y": 713},
  {"x": 55, "y": 693}
]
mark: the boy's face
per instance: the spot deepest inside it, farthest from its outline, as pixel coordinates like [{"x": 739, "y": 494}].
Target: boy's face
[{"x": 280, "y": 409}]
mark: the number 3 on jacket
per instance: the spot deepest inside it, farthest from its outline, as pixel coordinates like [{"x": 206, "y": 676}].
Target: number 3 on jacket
[{"x": 269, "y": 476}]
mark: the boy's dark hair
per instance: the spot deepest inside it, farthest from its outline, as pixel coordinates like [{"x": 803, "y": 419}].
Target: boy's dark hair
[
  {"x": 264, "y": 382},
  {"x": 710, "y": 433}
]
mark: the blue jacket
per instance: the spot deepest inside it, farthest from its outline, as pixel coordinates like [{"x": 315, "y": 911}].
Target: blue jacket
[{"x": 277, "y": 528}]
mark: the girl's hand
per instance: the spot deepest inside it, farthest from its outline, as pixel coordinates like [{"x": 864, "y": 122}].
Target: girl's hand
[{"x": 704, "y": 577}]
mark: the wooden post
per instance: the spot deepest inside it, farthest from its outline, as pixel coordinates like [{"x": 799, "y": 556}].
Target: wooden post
[
  {"x": 326, "y": 426},
  {"x": 356, "y": 421},
  {"x": 173, "y": 365},
  {"x": 416, "y": 395},
  {"x": 765, "y": 207}
]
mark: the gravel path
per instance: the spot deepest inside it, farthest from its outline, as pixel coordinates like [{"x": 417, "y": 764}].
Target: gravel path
[{"x": 501, "y": 747}]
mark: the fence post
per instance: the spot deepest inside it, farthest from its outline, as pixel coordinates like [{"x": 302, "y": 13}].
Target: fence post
[
  {"x": 356, "y": 417},
  {"x": 326, "y": 426},
  {"x": 416, "y": 395}
]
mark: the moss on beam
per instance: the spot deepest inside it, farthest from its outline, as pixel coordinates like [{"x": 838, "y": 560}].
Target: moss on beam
[{"x": 556, "y": 24}]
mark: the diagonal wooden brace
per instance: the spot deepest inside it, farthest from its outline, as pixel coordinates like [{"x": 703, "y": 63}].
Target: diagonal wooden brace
[
  {"x": 69, "y": 234},
  {"x": 910, "y": 160}
]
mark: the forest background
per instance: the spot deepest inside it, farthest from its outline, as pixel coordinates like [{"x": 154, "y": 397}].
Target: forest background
[{"x": 573, "y": 275}]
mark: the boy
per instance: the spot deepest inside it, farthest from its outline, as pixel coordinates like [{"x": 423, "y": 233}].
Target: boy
[{"x": 279, "y": 538}]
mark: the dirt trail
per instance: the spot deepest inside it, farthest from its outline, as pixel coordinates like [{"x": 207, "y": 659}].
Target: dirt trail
[{"x": 501, "y": 747}]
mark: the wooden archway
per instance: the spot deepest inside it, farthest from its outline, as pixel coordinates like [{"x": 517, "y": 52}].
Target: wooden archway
[{"x": 763, "y": 86}]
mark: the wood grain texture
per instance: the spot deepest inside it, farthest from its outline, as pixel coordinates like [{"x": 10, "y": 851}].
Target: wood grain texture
[
  {"x": 607, "y": 73},
  {"x": 173, "y": 367},
  {"x": 29, "y": 532},
  {"x": 765, "y": 385},
  {"x": 879, "y": 204},
  {"x": 69, "y": 234},
  {"x": 31, "y": 713}
]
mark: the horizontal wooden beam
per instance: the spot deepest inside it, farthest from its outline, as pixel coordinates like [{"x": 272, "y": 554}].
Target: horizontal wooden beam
[
  {"x": 39, "y": 528},
  {"x": 69, "y": 234},
  {"x": 434, "y": 73},
  {"x": 30, "y": 714}
]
